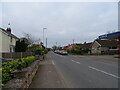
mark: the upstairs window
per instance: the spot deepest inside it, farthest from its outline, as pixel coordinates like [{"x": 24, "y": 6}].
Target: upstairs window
[{"x": 11, "y": 39}]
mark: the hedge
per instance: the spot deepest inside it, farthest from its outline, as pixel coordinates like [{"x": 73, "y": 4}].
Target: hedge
[{"x": 8, "y": 67}]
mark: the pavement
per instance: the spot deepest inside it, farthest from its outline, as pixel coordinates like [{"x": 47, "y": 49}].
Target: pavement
[
  {"x": 47, "y": 75},
  {"x": 68, "y": 71}
]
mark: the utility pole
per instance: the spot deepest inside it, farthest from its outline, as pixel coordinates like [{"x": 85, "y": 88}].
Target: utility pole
[
  {"x": 46, "y": 42},
  {"x": 73, "y": 41},
  {"x": 43, "y": 35},
  {"x": 56, "y": 43},
  {"x": 56, "y": 46}
]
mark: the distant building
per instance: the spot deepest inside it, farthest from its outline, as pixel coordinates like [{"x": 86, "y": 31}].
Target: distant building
[
  {"x": 113, "y": 35},
  {"x": 85, "y": 46},
  {"x": 7, "y": 40},
  {"x": 70, "y": 46},
  {"x": 105, "y": 46}
]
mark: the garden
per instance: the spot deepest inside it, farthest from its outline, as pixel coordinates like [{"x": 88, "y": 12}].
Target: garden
[{"x": 17, "y": 64}]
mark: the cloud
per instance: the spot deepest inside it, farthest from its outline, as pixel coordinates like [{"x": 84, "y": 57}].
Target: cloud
[{"x": 64, "y": 21}]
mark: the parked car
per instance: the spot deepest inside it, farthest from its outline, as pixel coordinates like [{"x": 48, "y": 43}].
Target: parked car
[
  {"x": 57, "y": 51},
  {"x": 63, "y": 52}
]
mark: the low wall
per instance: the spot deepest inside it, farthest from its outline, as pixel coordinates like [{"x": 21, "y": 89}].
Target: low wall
[
  {"x": 15, "y": 55},
  {"x": 22, "y": 79}
]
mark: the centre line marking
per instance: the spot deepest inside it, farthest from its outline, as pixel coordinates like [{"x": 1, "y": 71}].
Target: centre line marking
[
  {"x": 76, "y": 62},
  {"x": 104, "y": 72}
]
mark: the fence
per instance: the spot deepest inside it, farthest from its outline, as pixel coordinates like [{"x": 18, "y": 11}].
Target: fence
[{"x": 15, "y": 55}]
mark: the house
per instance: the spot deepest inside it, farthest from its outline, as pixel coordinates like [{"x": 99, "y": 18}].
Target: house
[
  {"x": 113, "y": 35},
  {"x": 86, "y": 47},
  {"x": 70, "y": 46},
  {"x": 7, "y": 40},
  {"x": 105, "y": 46}
]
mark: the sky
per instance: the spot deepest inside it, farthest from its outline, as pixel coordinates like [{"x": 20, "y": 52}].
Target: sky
[{"x": 65, "y": 21}]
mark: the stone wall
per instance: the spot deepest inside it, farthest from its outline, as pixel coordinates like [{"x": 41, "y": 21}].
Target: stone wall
[{"x": 22, "y": 79}]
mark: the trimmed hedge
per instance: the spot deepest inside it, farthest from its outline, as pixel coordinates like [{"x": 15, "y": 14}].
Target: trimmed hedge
[{"x": 8, "y": 67}]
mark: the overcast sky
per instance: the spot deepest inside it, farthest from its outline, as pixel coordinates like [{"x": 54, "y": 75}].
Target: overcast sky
[{"x": 81, "y": 21}]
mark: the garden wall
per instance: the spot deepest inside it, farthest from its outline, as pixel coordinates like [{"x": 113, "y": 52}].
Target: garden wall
[
  {"x": 22, "y": 79},
  {"x": 16, "y": 55}
]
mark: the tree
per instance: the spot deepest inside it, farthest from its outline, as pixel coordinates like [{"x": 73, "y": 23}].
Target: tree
[
  {"x": 34, "y": 46},
  {"x": 77, "y": 49},
  {"x": 54, "y": 47},
  {"x": 21, "y": 46},
  {"x": 17, "y": 46},
  {"x": 31, "y": 39}
]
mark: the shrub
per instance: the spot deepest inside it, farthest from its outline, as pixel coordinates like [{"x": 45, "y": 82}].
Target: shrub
[
  {"x": 8, "y": 67},
  {"x": 45, "y": 51},
  {"x": 38, "y": 51}
]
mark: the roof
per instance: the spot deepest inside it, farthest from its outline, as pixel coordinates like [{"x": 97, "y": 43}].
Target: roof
[
  {"x": 70, "y": 46},
  {"x": 10, "y": 34},
  {"x": 107, "y": 43},
  {"x": 74, "y": 44},
  {"x": 86, "y": 45}
]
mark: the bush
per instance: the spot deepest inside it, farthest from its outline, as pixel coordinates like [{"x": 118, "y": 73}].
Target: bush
[
  {"x": 45, "y": 51},
  {"x": 38, "y": 51},
  {"x": 8, "y": 67}
]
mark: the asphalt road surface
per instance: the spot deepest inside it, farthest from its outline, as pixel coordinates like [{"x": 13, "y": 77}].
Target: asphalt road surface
[{"x": 87, "y": 71}]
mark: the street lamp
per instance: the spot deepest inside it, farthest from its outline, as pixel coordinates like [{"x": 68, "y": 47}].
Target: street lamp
[{"x": 43, "y": 35}]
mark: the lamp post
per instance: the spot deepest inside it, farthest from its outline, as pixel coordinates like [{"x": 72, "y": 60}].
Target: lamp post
[{"x": 43, "y": 35}]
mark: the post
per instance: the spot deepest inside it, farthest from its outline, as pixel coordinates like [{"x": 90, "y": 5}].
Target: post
[
  {"x": 73, "y": 41},
  {"x": 46, "y": 42},
  {"x": 43, "y": 35}
]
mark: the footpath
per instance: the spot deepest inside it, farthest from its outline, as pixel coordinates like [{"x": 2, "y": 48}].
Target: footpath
[{"x": 47, "y": 75}]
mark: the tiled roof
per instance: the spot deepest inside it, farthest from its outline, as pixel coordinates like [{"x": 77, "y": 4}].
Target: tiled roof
[
  {"x": 86, "y": 45},
  {"x": 107, "y": 43}
]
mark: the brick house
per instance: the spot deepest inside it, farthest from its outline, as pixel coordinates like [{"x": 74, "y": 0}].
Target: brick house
[{"x": 105, "y": 46}]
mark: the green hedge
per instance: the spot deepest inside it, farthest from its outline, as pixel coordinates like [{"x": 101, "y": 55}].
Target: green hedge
[{"x": 8, "y": 67}]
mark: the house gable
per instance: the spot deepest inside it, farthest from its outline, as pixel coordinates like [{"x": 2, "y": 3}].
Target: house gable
[{"x": 7, "y": 41}]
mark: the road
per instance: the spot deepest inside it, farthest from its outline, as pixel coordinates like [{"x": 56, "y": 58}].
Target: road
[{"x": 87, "y": 71}]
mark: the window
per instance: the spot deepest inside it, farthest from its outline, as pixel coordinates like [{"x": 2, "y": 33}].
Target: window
[
  {"x": 11, "y": 39},
  {"x": 114, "y": 47}
]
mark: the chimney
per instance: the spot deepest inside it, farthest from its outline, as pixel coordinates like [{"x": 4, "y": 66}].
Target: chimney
[{"x": 8, "y": 30}]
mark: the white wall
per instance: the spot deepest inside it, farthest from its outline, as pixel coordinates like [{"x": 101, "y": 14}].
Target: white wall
[
  {"x": 0, "y": 43},
  {"x": 5, "y": 42}
]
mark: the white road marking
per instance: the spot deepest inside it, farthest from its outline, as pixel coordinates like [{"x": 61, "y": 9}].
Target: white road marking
[
  {"x": 50, "y": 56},
  {"x": 76, "y": 62},
  {"x": 53, "y": 62},
  {"x": 104, "y": 72}
]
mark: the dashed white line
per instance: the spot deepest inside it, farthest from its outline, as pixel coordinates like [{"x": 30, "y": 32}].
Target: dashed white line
[
  {"x": 103, "y": 72},
  {"x": 53, "y": 62},
  {"x": 76, "y": 62}
]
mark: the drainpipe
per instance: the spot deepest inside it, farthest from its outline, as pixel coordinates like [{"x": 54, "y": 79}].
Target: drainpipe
[{"x": 119, "y": 45}]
